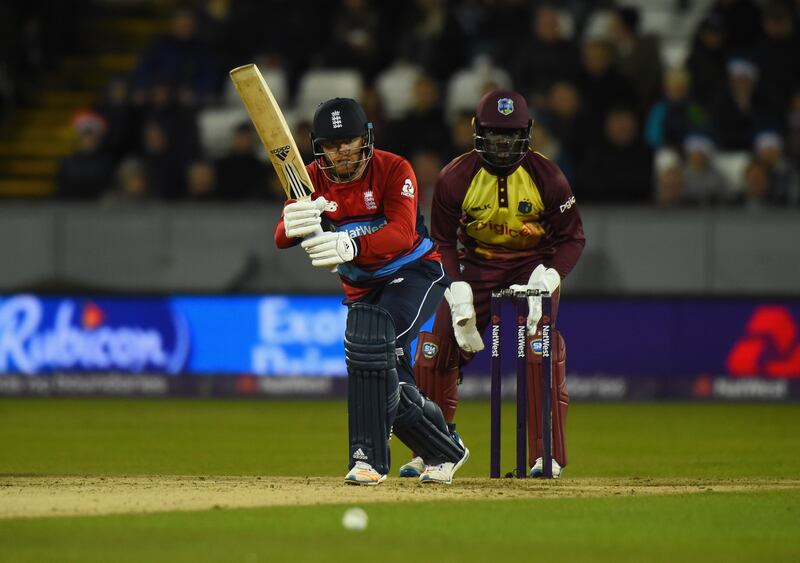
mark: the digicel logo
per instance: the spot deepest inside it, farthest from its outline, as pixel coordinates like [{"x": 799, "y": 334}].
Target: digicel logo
[{"x": 770, "y": 345}]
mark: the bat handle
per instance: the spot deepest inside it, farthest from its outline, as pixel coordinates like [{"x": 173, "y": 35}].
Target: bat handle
[{"x": 316, "y": 233}]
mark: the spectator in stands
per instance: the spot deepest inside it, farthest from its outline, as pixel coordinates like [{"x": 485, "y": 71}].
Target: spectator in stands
[
  {"x": 302, "y": 138},
  {"x": 756, "y": 186},
  {"x": 702, "y": 181},
  {"x": 132, "y": 184},
  {"x": 620, "y": 168},
  {"x": 460, "y": 135},
  {"x": 637, "y": 56},
  {"x": 567, "y": 120},
  {"x": 87, "y": 172},
  {"x": 741, "y": 108},
  {"x": 183, "y": 57},
  {"x": 240, "y": 173},
  {"x": 602, "y": 84},
  {"x": 165, "y": 172},
  {"x": 707, "y": 62},
  {"x": 426, "y": 165},
  {"x": 669, "y": 186},
  {"x": 547, "y": 57},
  {"x": 543, "y": 141},
  {"x": 179, "y": 121},
  {"x": 672, "y": 118},
  {"x": 372, "y": 103},
  {"x": 779, "y": 52},
  {"x": 784, "y": 184},
  {"x": 201, "y": 182},
  {"x": 432, "y": 38},
  {"x": 356, "y": 38},
  {"x": 793, "y": 130},
  {"x": 741, "y": 20},
  {"x": 123, "y": 134},
  {"x": 423, "y": 128}
]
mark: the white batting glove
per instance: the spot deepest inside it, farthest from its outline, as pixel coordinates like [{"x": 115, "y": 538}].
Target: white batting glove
[
  {"x": 542, "y": 278},
  {"x": 459, "y": 297},
  {"x": 302, "y": 218},
  {"x": 330, "y": 249}
]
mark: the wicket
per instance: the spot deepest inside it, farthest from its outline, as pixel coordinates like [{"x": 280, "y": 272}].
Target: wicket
[{"x": 519, "y": 299}]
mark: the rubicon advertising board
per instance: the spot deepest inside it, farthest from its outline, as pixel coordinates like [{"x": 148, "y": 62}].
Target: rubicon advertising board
[{"x": 283, "y": 335}]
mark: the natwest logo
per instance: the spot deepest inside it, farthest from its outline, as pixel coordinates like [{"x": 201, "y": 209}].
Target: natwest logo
[
  {"x": 43, "y": 336},
  {"x": 770, "y": 345}
]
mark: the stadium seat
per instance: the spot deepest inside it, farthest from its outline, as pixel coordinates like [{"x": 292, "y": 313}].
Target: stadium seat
[
  {"x": 395, "y": 85},
  {"x": 467, "y": 85},
  {"x": 731, "y": 165},
  {"x": 319, "y": 85},
  {"x": 216, "y": 128},
  {"x": 674, "y": 52}
]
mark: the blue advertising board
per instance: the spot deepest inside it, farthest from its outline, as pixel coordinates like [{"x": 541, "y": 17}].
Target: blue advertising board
[{"x": 280, "y": 335}]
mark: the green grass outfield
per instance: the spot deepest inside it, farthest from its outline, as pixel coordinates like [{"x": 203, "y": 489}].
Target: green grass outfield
[{"x": 646, "y": 482}]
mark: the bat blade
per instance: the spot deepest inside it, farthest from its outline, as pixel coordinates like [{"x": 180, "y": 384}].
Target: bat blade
[{"x": 272, "y": 129}]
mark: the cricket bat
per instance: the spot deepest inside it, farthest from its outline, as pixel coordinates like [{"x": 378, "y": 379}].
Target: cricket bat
[{"x": 273, "y": 131}]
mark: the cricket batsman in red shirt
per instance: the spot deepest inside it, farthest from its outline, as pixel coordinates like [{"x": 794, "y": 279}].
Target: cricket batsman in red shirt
[
  {"x": 503, "y": 216},
  {"x": 393, "y": 280}
]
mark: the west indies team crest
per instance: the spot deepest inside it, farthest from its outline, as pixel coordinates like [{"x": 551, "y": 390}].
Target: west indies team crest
[
  {"x": 429, "y": 350},
  {"x": 505, "y": 106}
]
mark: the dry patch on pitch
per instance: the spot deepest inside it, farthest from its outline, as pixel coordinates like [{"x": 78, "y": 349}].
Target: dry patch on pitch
[{"x": 30, "y": 497}]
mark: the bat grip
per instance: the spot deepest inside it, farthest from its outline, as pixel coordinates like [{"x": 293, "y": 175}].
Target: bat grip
[{"x": 316, "y": 233}]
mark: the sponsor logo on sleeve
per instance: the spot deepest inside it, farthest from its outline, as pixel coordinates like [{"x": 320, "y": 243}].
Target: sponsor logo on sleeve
[
  {"x": 567, "y": 205},
  {"x": 408, "y": 189}
]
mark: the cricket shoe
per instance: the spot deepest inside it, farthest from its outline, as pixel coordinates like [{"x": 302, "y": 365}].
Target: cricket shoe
[
  {"x": 413, "y": 468},
  {"x": 537, "y": 469},
  {"x": 443, "y": 473},
  {"x": 363, "y": 474}
]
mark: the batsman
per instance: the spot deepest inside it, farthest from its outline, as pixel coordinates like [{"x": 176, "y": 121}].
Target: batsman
[
  {"x": 503, "y": 216},
  {"x": 374, "y": 235}
]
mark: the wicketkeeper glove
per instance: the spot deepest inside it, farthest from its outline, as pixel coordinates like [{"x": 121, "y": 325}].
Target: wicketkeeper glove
[
  {"x": 330, "y": 248},
  {"x": 302, "y": 218},
  {"x": 459, "y": 297},
  {"x": 542, "y": 278}
]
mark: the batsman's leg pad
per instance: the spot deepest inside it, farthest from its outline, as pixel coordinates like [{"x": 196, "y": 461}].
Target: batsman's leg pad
[
  {"x": 559, "y": 400},
  {"x": 436, "y": 371},
  {"x": 373, "y": 387},
  {"x": 422, "y": 427}
]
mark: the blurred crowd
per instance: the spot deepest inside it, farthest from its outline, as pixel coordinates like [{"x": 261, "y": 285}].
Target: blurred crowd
[{"x": 625, "y": 125}]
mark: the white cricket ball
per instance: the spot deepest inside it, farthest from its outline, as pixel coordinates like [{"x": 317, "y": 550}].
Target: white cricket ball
[{"x": 355, "y": 519}]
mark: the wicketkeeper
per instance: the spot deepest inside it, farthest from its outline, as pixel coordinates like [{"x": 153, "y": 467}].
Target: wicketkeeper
[{"x": 503, "y": 216}]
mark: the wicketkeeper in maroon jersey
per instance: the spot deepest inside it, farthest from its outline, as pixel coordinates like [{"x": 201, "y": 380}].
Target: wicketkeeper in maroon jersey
[
  {"x": 393, "y": 279},
  {"x": 503, "y": 216}
]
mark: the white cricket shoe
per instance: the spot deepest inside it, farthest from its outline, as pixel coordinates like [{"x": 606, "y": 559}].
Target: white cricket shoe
[
  {"x": 413, "y": 468},
  {"x": 443, "y": 473},
  {"x": 537, "y": 469},
  {"x": 363, "y": 474}
]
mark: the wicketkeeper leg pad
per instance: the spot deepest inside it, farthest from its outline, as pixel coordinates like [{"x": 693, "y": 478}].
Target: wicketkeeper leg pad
[
  {"x": 422, "y": 427},
  {"x": 559, "y": 400},
  {"x": 436, "y": 371},
  {"x": 373, "y": 387}
]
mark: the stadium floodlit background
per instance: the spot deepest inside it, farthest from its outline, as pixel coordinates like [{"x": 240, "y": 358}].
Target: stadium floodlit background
[
  {"x": 137, "y": 259},
  {"x": 138, "y": 207}
]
